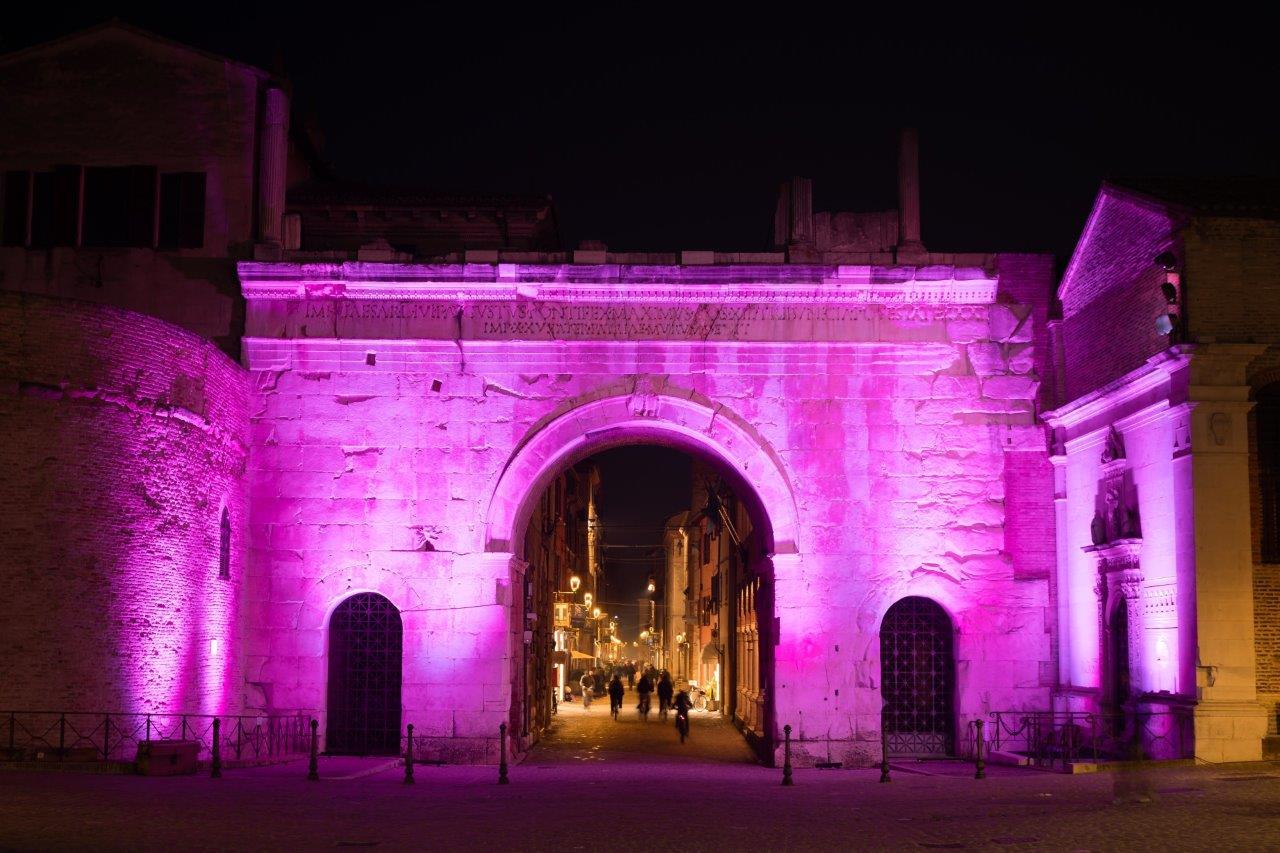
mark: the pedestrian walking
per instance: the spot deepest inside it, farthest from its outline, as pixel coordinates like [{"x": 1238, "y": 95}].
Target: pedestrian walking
[
  {"x": 631, "y": 677},
  {"x": 588, "y": 685}
]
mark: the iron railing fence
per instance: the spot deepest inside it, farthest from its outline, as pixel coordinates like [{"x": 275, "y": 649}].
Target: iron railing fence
[
  {"x": 1052, "y": 739},
  {"x": 101, "y": 736}
]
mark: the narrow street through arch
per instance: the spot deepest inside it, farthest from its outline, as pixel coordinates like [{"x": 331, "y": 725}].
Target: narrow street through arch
[
  {"x": 647, "y": 572},
  {"x": 578, "y": 735}
]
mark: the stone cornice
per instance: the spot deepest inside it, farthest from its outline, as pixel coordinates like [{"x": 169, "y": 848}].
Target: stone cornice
[{"x": 615, "y": 283}]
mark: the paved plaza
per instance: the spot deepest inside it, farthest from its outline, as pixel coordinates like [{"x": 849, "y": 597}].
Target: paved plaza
[{"x": 600, "y": 784}]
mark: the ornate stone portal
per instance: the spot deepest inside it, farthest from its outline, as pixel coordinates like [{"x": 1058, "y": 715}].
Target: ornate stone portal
[{"x": 1117, "y": 542}]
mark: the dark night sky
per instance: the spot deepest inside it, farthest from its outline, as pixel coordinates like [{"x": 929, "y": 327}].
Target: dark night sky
[
  {"x": 663, "y": 128},
  {"x": 641, "y": 487}
]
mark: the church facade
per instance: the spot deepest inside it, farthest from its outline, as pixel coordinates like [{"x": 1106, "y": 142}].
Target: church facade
[{"x": 1017, "y": 498}]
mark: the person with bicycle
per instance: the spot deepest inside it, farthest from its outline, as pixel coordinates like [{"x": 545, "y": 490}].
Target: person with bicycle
[
  {"x": 615, "y": 695},
  {"x": 682, "y": 703},
  {"x": 665, "y": 691},
  {"x": 588, "y": 684},
  {"x": 643, "y": 688}
]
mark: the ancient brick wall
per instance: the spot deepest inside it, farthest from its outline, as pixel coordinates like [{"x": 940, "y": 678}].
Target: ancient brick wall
[
  {"x": 1111, "y": 295},
  {"x": 123, "y": 443}
]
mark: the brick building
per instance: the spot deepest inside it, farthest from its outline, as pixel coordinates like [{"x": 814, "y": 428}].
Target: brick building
[{"x": 184, "y": 532}]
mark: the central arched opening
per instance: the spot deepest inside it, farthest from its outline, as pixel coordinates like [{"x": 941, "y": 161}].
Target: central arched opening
[{"x": 646, "y": 558}]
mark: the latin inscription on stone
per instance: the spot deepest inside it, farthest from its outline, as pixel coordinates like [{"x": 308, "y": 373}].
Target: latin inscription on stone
[{"x": 552, "y": 321}]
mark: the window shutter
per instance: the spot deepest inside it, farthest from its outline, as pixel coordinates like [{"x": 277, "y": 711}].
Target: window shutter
[
  {"x": 191, "y": 234},
  {"x": 65, "y": 219},
  {"x": 182, "y": 196},
  {"x": 141, "y": 206},
  {"x": 17, "y": 187},
  {"x": 42, "y": 210}
]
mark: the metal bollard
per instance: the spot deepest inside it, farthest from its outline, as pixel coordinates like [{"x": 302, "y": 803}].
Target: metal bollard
[
  {"x": 502, "y": 760},
  {"x": 786, "y": 756},
  {"x": 979, "y": 762},
  {"x": 313, "y": 772},
  {"x": 215, "y": 760},
  {"x": 408, "y": 757},
  {"x": 884, "y": 753}
]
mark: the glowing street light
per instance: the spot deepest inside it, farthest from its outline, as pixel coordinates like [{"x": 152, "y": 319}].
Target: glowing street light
[
  {"x": 595, "y": 613},
  {"x": 587, "y": 598},
  {"x": 574, "y": 583},
  {"x": 652, "y": 586}
]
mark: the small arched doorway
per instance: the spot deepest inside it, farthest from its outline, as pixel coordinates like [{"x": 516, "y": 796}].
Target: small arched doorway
[
  {"x": 917, "y": 678},
  {"x": 365, "y": 643}
]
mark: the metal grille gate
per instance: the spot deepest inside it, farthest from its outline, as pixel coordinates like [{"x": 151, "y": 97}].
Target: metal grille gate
[
  {"x": 917, "y": 677},
  {"x": 365, "y": 636}
]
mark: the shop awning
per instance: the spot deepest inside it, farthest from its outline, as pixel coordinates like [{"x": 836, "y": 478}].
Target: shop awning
[{"x": 580, "y": 656}]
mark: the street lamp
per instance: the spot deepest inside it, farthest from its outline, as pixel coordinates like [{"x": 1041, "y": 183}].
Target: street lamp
[
  {"x": 574, "y": 583},
  {"x": 652, "y": 586},
  {"x": 587, "y": 598},
  {"x": 595, "y": 613}
]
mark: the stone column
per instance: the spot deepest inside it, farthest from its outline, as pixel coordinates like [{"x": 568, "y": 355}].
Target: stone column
[
  {"x": 909, "y": 192},
  {"x": 273, "y": 166},
  {"x": 1129, "y": 585}
]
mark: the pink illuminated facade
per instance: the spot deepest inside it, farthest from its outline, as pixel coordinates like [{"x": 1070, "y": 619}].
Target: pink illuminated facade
[{"x": 407, "y": 418}]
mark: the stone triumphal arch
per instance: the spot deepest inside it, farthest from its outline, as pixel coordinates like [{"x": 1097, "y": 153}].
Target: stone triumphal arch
[{"x": 879, "y": 419}]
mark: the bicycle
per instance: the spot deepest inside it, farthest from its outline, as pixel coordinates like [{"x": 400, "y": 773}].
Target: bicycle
[
  {"x": 643, "y": 707},
  {"x": 698, "y": 698},
  {"x": 682, "y": 724}
]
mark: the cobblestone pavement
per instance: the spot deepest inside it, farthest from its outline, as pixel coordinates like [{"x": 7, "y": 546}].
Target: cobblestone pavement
[{"x": 600, "y": 784}]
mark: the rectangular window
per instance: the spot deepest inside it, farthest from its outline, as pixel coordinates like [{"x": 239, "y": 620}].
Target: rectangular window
[
  {"x": 119, "y": 206},
  {"x": 182, "y": 210}
]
